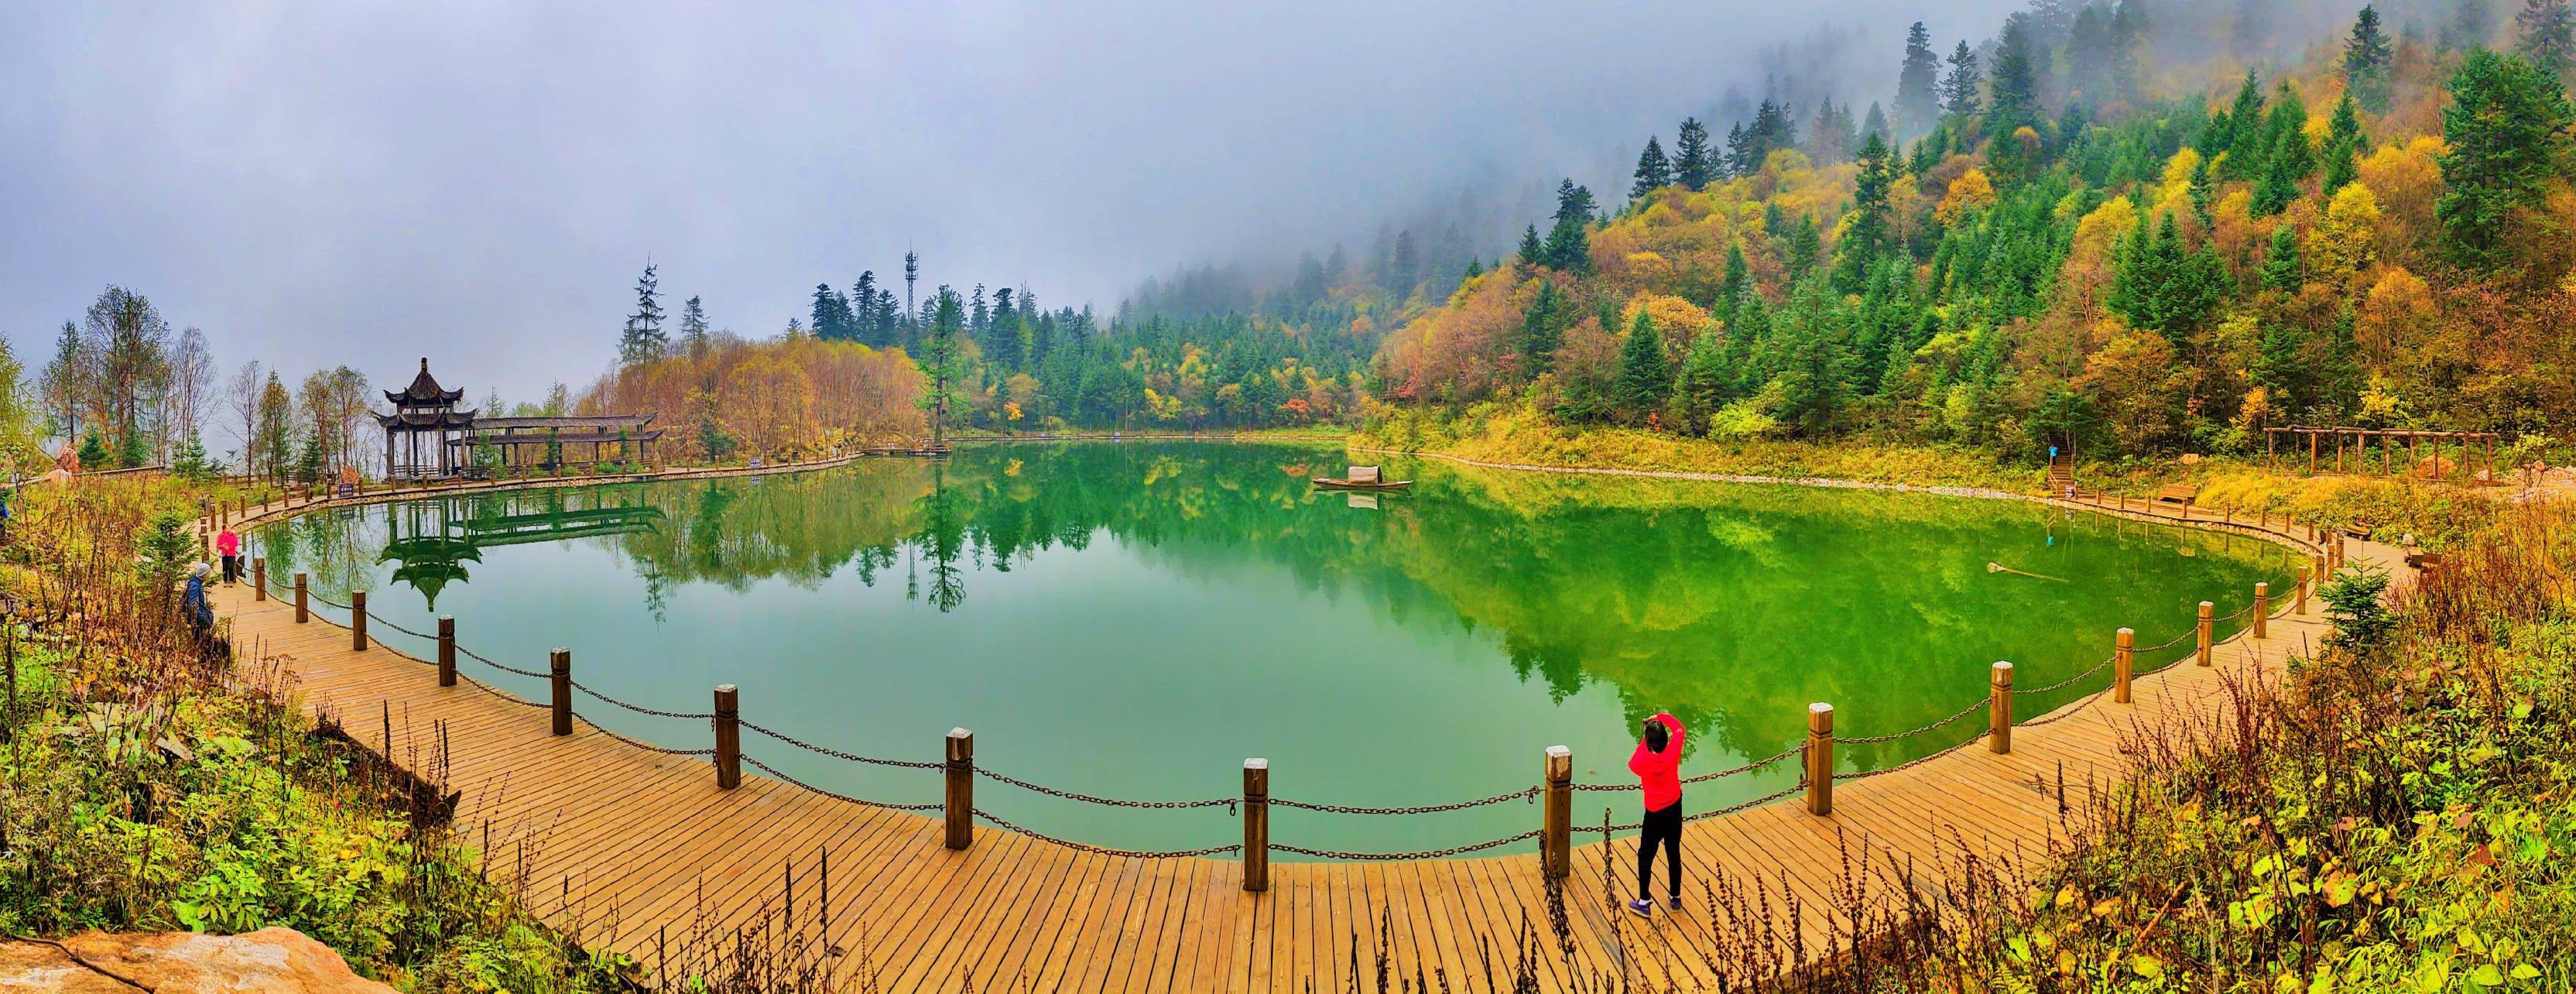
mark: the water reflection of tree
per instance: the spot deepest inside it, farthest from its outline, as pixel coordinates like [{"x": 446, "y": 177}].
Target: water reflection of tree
[
  {"x": 942, "y": 538},
  {"x": 1707, "y": 602}
]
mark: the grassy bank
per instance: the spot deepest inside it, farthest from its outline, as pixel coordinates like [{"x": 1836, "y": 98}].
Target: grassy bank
[
  {"x": 2437, "y": 514},
  {"x": 2397, "y": 814},
  {"x": 149, "y": 782}
]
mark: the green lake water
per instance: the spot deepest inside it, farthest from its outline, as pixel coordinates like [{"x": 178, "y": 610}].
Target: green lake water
[{"x": 1134, "y": 619}]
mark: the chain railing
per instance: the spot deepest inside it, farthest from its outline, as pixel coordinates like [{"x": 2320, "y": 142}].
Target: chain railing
[
  {"x": 728, "y": 751},
  {"x": 1227, "y": 803},
  {"x": 1525, "y": 794},
  {"x": 999, "y": 822},
  {"x": 1382, "y": 857}
]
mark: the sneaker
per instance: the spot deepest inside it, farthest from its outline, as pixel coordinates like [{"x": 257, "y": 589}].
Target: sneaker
[
  {"x": 1643, "y": 908},
  {"x": 1677, "y": 902}
]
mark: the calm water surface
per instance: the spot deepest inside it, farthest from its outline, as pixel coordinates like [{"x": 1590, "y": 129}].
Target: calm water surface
[{"x": 1133, "y": 620}]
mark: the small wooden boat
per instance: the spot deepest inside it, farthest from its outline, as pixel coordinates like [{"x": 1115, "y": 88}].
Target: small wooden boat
[{"x": 1361, "y": 478}]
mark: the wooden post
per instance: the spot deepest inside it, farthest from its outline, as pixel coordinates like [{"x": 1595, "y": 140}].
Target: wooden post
[
  {"x": 357, "y": 621},
  {"x": 728, "y": 737},
  {"x": 1820, "y": 759},
  {"x": 2262, "y": 610},
  {"x": 560, "y": 663},
  {"x": 961, "y": 788},
  {"x": 303, "y": 612},
  {"x": 1256, "y": 825},
  {"x": 2124, "y": 663},
  {"x": 1999, "y": 720},
  {"x": 446, "y": 650},
  {"x": 259, "y": 578},
  {"x": 2306, "y": 578},
  {"x": 2208, "y": 620},
  {"x": 1557, "y": 830}
]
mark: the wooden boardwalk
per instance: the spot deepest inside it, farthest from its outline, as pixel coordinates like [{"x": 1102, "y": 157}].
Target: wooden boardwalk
[{"x": 606, "y": 831}]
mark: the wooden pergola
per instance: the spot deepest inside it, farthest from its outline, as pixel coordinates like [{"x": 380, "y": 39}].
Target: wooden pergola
[
  {"x": 2357, "y": 441},
  {"x": 553, "y": 439}
]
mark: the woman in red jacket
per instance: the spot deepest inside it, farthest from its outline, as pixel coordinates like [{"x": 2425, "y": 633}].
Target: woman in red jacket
[{"x": 1657, "y": 764}]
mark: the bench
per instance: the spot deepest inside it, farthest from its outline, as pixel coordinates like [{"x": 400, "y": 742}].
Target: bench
[
  {"x": 2426, "y": 561},
  {"x": 2179, "y": 493}
]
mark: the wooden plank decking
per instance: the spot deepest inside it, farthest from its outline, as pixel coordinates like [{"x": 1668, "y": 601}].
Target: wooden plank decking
[{"x": 607, "y": 831}]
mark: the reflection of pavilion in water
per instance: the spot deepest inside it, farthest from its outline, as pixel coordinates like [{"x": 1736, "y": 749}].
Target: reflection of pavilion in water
[{"x": 433, "y": 540}]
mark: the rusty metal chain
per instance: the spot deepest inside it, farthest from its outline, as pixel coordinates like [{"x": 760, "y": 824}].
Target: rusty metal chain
[
  {"x": 1381, "y": 857},
  {"x": 998, "y": 822},
  {"x": 836, "y": 795},
  {"x": 496, "y": 692},
  {"x": 1918, "y": 761},
  {"x": 1702, "y": 777},
  {"x": 503, "y": 667},
  {"x": 2069, "y": 681},
  {"x": 1755, "y": 802},
  {"x": 1523, "y": 794},
  {"x": 640, "y": 709},
  {"x": 2069, "y": 712},
  {"x": 838, "y": 754},
  {"x": 1218, "y": 802},
  {"x": 650, "y": 747},
  {"x": 1961, "y": 713}
]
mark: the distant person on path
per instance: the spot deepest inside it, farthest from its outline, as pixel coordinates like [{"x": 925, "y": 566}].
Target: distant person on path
[
  {"x": 1658, "y": 766},
  {"x": 229, "y": 545}
]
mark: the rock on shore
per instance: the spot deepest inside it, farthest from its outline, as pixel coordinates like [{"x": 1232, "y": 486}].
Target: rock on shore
[{"x": 280, "y": 960}]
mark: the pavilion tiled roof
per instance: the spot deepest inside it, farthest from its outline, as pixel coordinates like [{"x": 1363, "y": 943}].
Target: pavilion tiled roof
[{"x": 424, "y": 391}]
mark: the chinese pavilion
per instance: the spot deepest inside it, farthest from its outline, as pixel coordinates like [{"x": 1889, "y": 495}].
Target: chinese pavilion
[{"x": 437, "y": 440}]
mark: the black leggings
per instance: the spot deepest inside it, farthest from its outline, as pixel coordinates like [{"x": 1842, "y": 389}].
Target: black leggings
[
  {"x": 1663, "y": 827},
  {"x": 232, "y": 568}
]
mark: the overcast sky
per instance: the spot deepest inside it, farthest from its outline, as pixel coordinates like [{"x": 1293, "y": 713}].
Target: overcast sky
[{"x": 351, "y": 183}]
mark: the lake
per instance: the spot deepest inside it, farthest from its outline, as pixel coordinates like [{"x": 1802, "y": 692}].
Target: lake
[{"x": 1134, "y": 619}]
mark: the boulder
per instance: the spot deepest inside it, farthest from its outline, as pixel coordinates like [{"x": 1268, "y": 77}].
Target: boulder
[{"x": 280, "y": 960}]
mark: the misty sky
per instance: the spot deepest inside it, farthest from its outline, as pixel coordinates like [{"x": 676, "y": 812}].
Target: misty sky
[{"x": 350, "y": 183}]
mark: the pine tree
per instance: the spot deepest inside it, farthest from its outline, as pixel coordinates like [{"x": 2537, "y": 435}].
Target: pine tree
[
  {"x": 642, "y": 340},
  {"x": 1865, "y": 235},
  {"x": 1701, "y": 387},
  {"x": 1918, "y": 94},
  {"x": 693, "y": 328},
  {"x": 2281, "y": 268},
  {"x": 1959, "y": 88},
  {"x": 1542, "y": 328},
  {"x": 93, "y": 453},
  {"x": 2128, "y": 36},
  {"x": 1567, "y": 248},
  {"x": 825, "y": 312},
  {"x": 2472, "y": 23},
  {"x": 1645, "y": 375},
  {"x": 1692, "y": 166},
  {"x": 2547, "y": 36},
  {"x": 1874, "y": 124},
  {"x": 2162, "y": 286},
  {"x": 1737, "y": 282},
  {"x": 2016, "y": 81},
  {"x": 1653, "y": 171},
  {"x": 2202, "y": 192},
  {"x": 1403, "y": 266},
  {"x": 1574, "y": 202},
  {"x": 1804, "y": 242},
  {"x": 1531, "y": 251},
  {"x": 863, "y": 304},
  {"x": 2343, "y": 146},
  {"x": 2505, "y": 137},
  {"x": 2246, "y": 137},
  {"x": 2366, "y": 58}
]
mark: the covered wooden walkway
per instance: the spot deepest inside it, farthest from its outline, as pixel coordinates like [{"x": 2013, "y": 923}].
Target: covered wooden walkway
[{"x": 638, "y": 849}]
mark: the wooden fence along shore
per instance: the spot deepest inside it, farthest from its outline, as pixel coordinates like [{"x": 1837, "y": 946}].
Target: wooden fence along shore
[{"x": 668, "y": 851}]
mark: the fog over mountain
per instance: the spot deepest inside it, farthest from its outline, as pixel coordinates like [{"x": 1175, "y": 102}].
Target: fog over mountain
[{"x": 315, "y": 185}]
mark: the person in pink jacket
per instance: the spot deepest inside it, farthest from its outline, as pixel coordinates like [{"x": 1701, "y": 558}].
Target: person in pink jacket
[
  {"x": 1658, "y": 766},
  {"x": 228, "y": 544}
]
